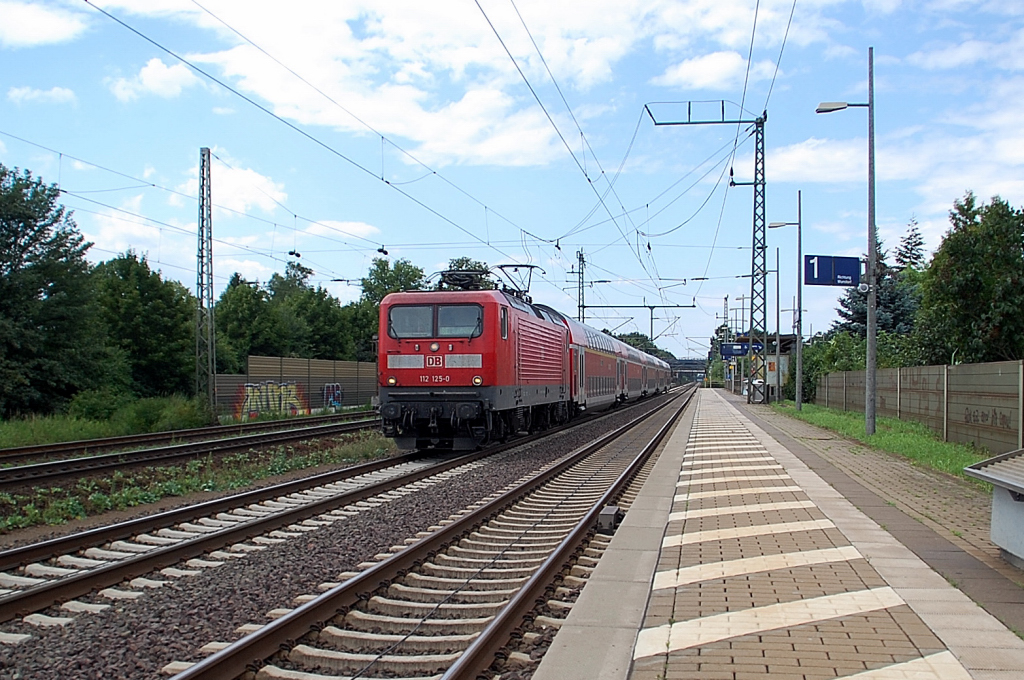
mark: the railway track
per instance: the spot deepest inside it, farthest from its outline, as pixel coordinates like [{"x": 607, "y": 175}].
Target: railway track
[
  {"x": 70, "y": 468},
  {"x": 449, "y": 601},
  {"x": 22, "y": 454},
  {"x": 36, "y": 576}
]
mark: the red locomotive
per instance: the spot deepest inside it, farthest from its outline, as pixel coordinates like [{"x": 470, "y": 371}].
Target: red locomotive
[{"x": 459, "y": 368}]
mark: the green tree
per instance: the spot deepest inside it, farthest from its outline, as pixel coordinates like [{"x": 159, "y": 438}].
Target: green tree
[
  {"x": 973, "y": 289},
  {"x": 328, "y": 333},
  {"x": 52, "y": 341},
  {"x": 384, "y": 278},
  {"x": 362, "y": 319},
  {"x": 152, "y": 321},
  {"x": 286, "y": 294},
  {"x": 897, "y": 302},
  {"x": 837, "y": 351},
  {"x": 246, "y": 324},
  {"x": 910, "y": 252}
]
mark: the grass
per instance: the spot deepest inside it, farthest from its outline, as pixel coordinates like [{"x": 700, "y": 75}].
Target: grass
[
  {"x": 911, "y": 440},
  {"x": 49, "y": 429},
  {"x": 130, "y": 417},
  {"x": 94, "y": 496}
]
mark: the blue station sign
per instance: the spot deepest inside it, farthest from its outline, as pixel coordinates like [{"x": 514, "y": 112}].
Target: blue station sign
[
  {"x": 739, "y": 349},
  {"x": 827, "y": 270}
]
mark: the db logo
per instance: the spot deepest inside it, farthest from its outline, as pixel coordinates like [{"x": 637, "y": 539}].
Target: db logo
[{"x": 434, "y": 361}]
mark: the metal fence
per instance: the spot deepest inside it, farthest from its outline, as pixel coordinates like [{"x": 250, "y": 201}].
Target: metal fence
[
  {"x": 980, "y": 404},
  {"x": 286, "y": 385}
]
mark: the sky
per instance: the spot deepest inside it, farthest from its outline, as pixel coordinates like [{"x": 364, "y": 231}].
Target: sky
[{"x": 516, "y": 132}]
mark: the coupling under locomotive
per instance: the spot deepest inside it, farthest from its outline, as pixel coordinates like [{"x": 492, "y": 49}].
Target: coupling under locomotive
[{"x": 460, "y": 368}]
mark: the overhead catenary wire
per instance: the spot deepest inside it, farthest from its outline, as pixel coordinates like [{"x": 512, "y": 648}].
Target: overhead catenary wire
[
  {"x": 551, "y": 120},
  {"x": 255, "y": 251},
  {"x": 351, "y": 161},
  {"x": 146, "y": 184},
  {"x": 726, "y": 157},
  {"x": 181, "y": 229},
  {"x": 335, "y": 102},
  {"x": 743, "y": 101},
  {"x": 486, "y": 243},
  {"x": 782, "y": 48}
]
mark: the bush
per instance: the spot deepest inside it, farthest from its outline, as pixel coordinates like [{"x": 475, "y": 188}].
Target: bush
[
  {"x": 157, "y": 414},
  {"x": 97, "y": 404}
]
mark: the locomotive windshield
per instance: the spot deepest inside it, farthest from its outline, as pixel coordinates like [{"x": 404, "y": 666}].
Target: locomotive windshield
[
  {"x": 459, "y": 321},
  {"x": 411, "y": 321},
  {"x": 452, "y": 321}
]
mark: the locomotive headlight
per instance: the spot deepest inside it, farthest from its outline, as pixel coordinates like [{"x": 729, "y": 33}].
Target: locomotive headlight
[
  {"x": 392, "y": 380},
  {"x": 434, "y": 347},
  {"x": 478, "y": 381}
]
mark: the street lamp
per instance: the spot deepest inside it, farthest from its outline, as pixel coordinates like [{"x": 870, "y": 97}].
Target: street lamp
[
  {"x": 799, "y": 298},
  {"x": 872, "y": 330}
]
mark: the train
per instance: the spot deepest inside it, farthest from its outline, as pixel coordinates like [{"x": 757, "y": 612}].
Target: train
[{"x": 458, "y": 369}]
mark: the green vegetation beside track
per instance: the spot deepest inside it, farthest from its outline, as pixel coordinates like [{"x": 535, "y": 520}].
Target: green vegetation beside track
[
  {"x": 911, "y": 440},
  {"x": 94, "y": 496}
]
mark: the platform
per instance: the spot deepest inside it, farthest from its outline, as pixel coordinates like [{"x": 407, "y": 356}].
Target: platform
[{"x": 737, "y": 561}]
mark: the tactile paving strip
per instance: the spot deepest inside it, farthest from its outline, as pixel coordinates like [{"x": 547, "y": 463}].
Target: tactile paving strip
[{"x": 754, "y": 580}]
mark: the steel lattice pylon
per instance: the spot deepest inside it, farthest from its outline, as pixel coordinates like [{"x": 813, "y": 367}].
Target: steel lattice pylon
[
  {"x": 206, "y": 349},
  {"x": 757, "y": 392}
]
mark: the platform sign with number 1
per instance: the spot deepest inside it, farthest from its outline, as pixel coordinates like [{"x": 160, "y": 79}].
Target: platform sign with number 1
[{"x": 827, "y": 270}]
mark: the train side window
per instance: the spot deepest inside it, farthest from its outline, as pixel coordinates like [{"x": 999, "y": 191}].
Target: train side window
[{"x": 504, "y": 323}]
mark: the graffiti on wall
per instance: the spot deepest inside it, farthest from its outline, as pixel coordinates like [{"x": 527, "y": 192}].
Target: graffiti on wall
[
  {"x": 994, "y": 418},
  {"x": 270, "y": 397},
  {"x": 333, "y": 395}
]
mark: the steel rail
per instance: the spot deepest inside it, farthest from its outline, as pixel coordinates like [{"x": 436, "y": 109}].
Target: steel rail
[
  {"x": 479, "y": 656},
  {"x": 16, "y": 557},
  {"x": 23, "y": 475},
  {"x": 21, "y": 453},
  {"x": 46, "y": 594},
  {"x": 252, "y": 650}
]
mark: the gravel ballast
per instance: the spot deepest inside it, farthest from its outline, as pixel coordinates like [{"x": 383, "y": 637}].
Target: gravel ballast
[{"x": 137, "y": 638}]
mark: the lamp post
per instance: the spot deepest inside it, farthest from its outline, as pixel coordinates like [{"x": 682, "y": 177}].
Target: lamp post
[
  {"x": 799, "y": 298},
  {"x": 872, "y": 320},
  {"x": 778, "y": 307}
]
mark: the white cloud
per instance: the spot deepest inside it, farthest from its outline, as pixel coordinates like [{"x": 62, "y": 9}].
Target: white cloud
[
  {"x": 715, "y": 71},
  {"x": 829, "y": 161},
  {"x": 235, "y": 188},
  {"x": 154, "y": 78},
  {"x": 116, "y": 231},
  {"x": 223, "y": 110},
  {"x": 55, "y": 95},
  {"x": 433, "y": 77},
  {"x": 250, "y": 270},
  {"x": 978, "y": 148},
  {"x": 29, "y": 24},
  {"x": 1007, "y": 55}
]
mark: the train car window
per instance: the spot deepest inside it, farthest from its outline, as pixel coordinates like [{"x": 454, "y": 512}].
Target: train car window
[
  {"x": 460, "y": 321},
  {"x": 504, "y": 323},
  {"x": 411, "y": 321}
]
